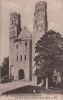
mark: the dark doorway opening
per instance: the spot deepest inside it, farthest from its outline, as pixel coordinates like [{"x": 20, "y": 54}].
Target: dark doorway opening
[
  {"x": 39, "y": 80},
  {"x": 21, "y": 74}
]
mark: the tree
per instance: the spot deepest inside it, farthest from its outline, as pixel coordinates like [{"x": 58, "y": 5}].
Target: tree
[
  {"x": 5, "y": 67},
  {"x": 49, "y": 51}
]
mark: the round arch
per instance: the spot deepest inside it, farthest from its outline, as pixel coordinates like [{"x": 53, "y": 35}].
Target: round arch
[{"x": 21, "y": 74}]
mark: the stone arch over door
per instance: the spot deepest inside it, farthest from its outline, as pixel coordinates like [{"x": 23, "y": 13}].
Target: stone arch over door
[{"x": 21, "y": 74}]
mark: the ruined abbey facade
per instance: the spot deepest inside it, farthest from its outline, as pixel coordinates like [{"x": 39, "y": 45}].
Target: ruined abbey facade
[
  {"x": 20, "y": 59},
  {"x": 22, "y": 42}
]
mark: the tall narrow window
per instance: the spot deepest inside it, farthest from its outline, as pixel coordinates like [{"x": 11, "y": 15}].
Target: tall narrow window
[
  {"x": 17, "y": 46},
  {"x": 21, "y": 57},
  {"x": 17, "y": 57},
  {"x": 12, "y": 21},
  {"x": 25, "y": 57},
  {"x": 36, "y": 22},
  {"x": 26, "y": 43}
]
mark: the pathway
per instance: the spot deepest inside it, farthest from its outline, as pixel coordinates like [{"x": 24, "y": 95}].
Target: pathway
[{"x": 13, "y": 85}]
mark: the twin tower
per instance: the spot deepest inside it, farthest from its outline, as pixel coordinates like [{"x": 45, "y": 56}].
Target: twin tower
[{"x": 22, "y": 42}]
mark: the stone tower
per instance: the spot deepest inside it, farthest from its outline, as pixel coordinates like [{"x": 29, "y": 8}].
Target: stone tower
[
  {"x": 15, "y": 25},
  {"x": 15, "y": 28},
  {"x": 20, "y": 57},
  {"x": 40, "y": 22}
]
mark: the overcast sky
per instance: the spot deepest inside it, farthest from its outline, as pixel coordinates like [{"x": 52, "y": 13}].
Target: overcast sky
[{"x": 26, "y": 9}]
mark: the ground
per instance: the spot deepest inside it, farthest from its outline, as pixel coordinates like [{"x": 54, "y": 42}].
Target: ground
[
  {"x": 29, "y": 89},
  {"x": 14, "y": 85},
  {"x": 20, "y": 89}
]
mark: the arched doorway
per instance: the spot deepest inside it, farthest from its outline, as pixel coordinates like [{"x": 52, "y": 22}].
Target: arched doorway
[{"x": 21, "y": 74}]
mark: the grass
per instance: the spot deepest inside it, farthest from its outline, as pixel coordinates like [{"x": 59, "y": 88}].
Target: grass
[{"x": 33, "y": 90}]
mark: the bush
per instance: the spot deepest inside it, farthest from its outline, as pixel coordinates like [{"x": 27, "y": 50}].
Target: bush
[{"x": 6, "y": 79}]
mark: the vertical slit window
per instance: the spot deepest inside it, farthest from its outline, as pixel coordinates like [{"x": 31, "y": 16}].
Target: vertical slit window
[
  {"x": 26, "y": 43},
  {"x": 25, "y": 57},
  {"x": 20, "y": 57},
  {"x": 17, "y": 46},
  {"x": 17, "y": 57}
]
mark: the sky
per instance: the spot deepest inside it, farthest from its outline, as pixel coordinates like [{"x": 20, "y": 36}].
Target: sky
[{"x": 26, "y": 8}]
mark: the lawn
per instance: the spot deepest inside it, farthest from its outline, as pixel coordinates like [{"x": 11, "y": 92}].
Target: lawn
[{"x": 33, "y": 90}]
